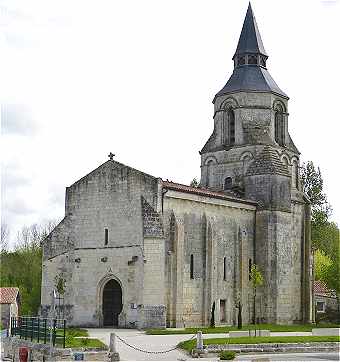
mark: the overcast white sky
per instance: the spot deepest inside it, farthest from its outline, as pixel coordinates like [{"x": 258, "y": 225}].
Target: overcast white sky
[{"x": 82, "y": 78}]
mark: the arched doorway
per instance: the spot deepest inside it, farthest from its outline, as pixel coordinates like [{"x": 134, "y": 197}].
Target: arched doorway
[{"x": 112, "y": 303}]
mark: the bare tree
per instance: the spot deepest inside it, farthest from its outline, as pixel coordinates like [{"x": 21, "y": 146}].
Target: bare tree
[
  {"x": 4, "y": 237},
  {"x": 32, "y": 236}
]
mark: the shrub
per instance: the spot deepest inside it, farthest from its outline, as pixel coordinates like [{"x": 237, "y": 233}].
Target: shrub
[{"x": 227, "y": 355}]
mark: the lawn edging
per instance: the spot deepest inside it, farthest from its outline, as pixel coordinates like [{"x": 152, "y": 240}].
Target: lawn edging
[
  {"x": 286, "y": 344},
  {"x": 227, "y": 329}
]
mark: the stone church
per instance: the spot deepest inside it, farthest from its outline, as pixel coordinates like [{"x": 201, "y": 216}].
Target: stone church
[{"x": 137, "y": 251}]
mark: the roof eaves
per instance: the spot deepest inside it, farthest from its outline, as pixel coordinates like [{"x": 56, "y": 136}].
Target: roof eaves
[{"x": 204, "y": 192}]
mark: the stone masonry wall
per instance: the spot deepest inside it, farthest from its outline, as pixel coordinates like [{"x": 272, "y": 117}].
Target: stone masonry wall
[
  {"x": 108, "y": 198},
  {"x": 154, "y": 311},
  {"x": 212, "y": 230}
]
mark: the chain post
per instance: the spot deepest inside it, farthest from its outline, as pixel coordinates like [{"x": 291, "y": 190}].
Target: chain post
[{"x": 199, "y": 341}]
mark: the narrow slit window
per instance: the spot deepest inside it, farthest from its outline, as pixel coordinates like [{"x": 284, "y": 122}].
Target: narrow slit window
[
  {"x": 191, "y": 266},
  {"x": 279, "y": 126},
  {"x": 224, "y": 268},
  {"x": 250, "y": 265},
  {"x": 106, "y": 236}
]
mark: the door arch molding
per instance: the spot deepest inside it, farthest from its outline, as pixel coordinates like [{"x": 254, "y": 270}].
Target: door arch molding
[{"x": 100, "y": 294}]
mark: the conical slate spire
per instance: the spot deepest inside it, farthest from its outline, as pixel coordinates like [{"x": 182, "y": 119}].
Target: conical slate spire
[
  {"x": 250, "y": 69},
  {"x": 250, "y": 39}
]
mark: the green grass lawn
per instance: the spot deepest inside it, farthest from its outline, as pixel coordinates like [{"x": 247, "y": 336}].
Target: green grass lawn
[
  {"x": 84, "y": 343},
  {"x": 189, "y": 345},
  {"x": 271, "y": 327},
  {"x": 72, "y": 340},
  {"x": 76, "y": 332}
]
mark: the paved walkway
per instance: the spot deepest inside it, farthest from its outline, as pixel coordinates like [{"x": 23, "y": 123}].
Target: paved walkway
[
  {"x": 147, "y": 342},
  {"x": 165, "y": 342},
  {"x": 324, "y": 357}
]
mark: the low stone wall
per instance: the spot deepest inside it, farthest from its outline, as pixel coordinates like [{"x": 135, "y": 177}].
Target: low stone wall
[
  {"x": 275, "y": 347},
  {"x": 41, "y": 352},
  {"x": 326, "y": 331},
  {"x": 251, "y": 333}
]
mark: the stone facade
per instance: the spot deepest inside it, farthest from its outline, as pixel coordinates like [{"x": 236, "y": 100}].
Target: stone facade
[{"x": 174, "y": 251}]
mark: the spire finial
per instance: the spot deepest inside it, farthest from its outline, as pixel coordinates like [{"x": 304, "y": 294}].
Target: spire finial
[
  {"x": 110, "y": 156},
  {"x": 250, "y": 39}
]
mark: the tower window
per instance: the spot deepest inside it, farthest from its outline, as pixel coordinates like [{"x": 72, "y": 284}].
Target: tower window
[
  {"x": 106, "y": 237},
  {"x": 262, "y": 61},
  {"x": 242, "y": 60},
  {"x": 252, "y": 59},
  {"x": 210, "y": 173},
  {"x": 224, "y": 268},
  {"x": 191, "y": 266},
  {"x": 231, "y": 126},
  {"x": 228, "y": 182},
  {"x": 295, "y": 175},
  {"x": 279, "y": 126}
]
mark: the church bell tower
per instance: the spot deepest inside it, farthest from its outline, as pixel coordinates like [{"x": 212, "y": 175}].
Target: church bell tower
[
  {"x": 250, "y": 112},
  {"x": 251, "y": 155}
]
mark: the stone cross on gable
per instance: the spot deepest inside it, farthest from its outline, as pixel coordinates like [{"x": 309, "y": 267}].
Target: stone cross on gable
[{"x": 111, "y": 155}]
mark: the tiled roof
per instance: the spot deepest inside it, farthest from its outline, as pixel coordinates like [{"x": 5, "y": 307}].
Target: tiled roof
[
  {"x": 8, "y": 295},
  {"x": 203, "y": 192},
  {"x": 320, "y": 288}
]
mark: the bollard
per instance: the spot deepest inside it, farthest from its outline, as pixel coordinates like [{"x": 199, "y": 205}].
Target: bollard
[
  {"x": 113, "y": 343},
  {"x": 199, "y": 350},
  {"x": 113, "y": 355},
  {"x": 199, "y": 341}
]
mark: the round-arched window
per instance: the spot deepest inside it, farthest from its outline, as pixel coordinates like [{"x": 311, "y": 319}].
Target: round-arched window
[
  {"x": 279, "y": 125},
  {"x": 228, "y": 183},
  {"x": 231, "y": 126}
]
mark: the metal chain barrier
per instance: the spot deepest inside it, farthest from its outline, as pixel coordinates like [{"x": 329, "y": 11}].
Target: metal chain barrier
[{"x": 152, "y": 352}]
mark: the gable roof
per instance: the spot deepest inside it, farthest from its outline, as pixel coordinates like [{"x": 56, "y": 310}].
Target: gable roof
[
  {"x": 112, "y": 163},
  {"x": 8, "y": 295}
]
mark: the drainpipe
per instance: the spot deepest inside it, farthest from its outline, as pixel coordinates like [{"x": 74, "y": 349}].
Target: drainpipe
[{"x": 164, "y": 191}]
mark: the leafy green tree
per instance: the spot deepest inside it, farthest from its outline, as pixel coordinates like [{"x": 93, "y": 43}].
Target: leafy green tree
[
  {"x": 194, "y": 183},
  {"x": 322, "y": 264},
  {"x": 22, "y": 267},
  {"x": 256, "y": 279},
  {"x": 313, "y": 188},
  {"x": 324, "y": 233}
]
